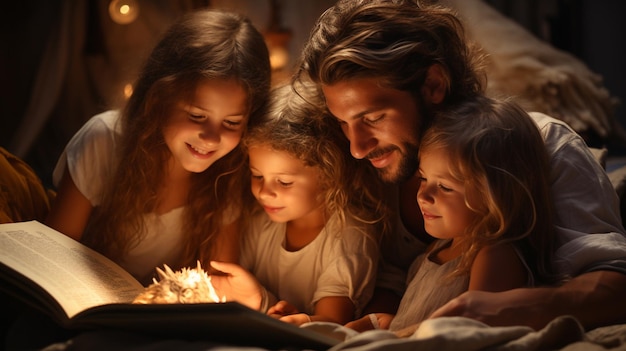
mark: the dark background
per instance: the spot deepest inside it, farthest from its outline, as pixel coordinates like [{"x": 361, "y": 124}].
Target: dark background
[{"x": 105, "y": 54}]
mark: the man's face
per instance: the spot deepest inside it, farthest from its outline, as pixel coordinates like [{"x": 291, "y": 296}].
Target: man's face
[{"x": 381, "y": 123}]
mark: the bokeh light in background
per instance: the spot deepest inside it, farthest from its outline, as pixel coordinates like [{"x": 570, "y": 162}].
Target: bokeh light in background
[{"x": 123, "y": 11}]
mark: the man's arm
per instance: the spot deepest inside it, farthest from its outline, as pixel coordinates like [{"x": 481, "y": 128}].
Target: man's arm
[{"x": 595, "y": 299}]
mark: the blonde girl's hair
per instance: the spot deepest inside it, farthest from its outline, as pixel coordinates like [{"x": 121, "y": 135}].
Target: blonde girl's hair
[
  {"x": 203, "y": 45},
  {"x": 297, "y": 123},
  {"x": 497, "y": 152}
]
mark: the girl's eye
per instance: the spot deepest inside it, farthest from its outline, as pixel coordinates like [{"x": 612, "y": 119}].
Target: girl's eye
[
  {"x": 257, "y": 177},
  {"x": 444, "y": 188},
  {"x": 232, "y": 124},
  {"x": 284, "y": 184},
  {"x": 196, "y": 118}
]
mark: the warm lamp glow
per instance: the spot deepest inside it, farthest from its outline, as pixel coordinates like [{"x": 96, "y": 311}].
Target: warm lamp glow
[
  {"x": 277, "y": 38},
  {"x": 128, "y": 90},
  {"x": 123, "y": 11},
  {"x": 277, "y": 46},
  {"x": 279, "y": 57}
]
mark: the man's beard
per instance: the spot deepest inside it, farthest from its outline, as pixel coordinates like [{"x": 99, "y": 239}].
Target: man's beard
[{"x": 406, "y": 167}]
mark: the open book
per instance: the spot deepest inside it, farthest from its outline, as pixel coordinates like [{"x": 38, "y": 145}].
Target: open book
[{"x": 81, "y": 289}]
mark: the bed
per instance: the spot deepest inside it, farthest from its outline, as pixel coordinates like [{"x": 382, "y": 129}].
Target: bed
[{"x": 441, "y": 334}]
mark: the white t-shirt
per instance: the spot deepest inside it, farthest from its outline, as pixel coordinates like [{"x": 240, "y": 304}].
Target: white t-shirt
[
  {"x": 91, "y": 159},
  {"x": 338, "y": 262},
  {"x": 589, "y": 225}
]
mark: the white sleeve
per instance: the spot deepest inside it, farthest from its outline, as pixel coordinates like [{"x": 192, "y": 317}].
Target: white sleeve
[
  {"x": 589, "y": 226},
  {"x": 90, "y": 156},
  {"x": 352, "y": 273}
]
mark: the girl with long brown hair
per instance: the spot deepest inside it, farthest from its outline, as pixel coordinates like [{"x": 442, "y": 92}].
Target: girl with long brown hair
[{"x": 161, "y": 181}]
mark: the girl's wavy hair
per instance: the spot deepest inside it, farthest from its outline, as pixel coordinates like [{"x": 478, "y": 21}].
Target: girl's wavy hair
[
  {"x": 297, "y": 123},
  {"x": 203, "y": 45},
  {"x": 497, "y": 152},
  {"x": 396, "y": 41}
]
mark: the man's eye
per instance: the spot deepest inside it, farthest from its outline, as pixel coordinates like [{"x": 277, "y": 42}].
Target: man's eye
[{"x": 374, "y": 119}]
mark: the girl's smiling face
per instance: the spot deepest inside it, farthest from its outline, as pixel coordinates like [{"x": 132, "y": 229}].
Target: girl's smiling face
[
  {"x": 441, "y": 197},
  {"x": 202, "y": 131},
  {"x": 286, "y": 188}
]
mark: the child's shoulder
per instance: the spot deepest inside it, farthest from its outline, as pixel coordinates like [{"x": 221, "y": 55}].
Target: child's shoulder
[
  {"x": 103, "y": 125},
  {"x": 352, "y": 234},
  {"x": 350, "y": 226}
]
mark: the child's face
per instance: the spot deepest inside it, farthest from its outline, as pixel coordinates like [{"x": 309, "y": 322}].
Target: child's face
[
  {"x": 210, "y": 126},
  {"x": 284, "y": 186},
  {"x": 441, "y": 198}
]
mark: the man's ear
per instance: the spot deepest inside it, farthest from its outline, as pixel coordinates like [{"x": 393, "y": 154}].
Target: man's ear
[{"x": 435, "y": 86}]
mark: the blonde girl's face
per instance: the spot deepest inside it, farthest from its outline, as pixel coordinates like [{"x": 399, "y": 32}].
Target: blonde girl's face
[
  {"x": 441, "y": 198},
  {"x": 203, "y": 130},
  {"x": 286, "y": 188}
]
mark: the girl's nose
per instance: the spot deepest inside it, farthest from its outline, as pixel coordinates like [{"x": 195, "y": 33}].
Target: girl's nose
[
  {"x": 424, "y": 194},
  {"x": 265, "y": 190},
  {"x": 210, "y": 133}
]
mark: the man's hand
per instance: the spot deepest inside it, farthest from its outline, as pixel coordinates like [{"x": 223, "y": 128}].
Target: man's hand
[
  {"x": 595, "y": 299},
  {"x": 512, "y": 307}
]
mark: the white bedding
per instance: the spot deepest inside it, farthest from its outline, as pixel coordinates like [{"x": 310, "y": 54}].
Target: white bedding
[{"x": 448, "y": 333}]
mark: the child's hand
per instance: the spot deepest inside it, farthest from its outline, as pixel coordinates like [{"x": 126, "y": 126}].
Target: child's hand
[
  {"x": 237, "y": 284},
  {"x": 297, "y": 319},
  {"x": 371, "y": 321},
  {"x": 282, "y": 308}
]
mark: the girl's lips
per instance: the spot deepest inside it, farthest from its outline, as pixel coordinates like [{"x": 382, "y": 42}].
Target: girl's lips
[
  {"x": 428, "y": 215},
  {"x": 269, "y": 209},
  {"x": 199, "y": 153}
]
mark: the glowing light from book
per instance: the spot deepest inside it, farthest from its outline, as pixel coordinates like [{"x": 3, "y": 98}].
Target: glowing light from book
[
  {"x": 195, "y": 277},
  {"x": 213, "y": 293}
]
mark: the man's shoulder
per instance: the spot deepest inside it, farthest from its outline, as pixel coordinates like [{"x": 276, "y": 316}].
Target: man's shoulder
[
  {"x": 545, "y": 121},
  {"x": 556, "y": 133}
]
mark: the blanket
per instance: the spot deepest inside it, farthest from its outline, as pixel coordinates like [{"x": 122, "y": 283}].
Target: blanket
[{"x": 564, "y": 333}]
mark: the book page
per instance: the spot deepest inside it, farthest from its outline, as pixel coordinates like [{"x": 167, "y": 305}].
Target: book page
[{"x": 76, "y": 276}]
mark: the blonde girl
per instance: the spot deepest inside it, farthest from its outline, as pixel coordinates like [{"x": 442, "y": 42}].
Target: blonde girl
[
  {"x": 313, "y": 244},
  {"x": 484, "y": 193}
]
